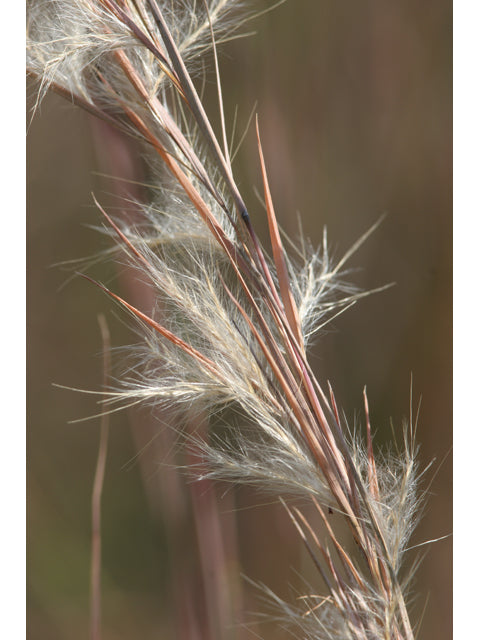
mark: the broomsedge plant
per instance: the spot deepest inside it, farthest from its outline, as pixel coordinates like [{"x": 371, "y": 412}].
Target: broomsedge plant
[{"x": 229, "y": 331}]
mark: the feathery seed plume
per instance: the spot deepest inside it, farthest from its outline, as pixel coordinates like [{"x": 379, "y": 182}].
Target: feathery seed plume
[{"x": 235, "y": 324}]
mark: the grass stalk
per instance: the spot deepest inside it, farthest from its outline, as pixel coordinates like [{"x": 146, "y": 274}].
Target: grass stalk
[
  {"x": 226, "y": 336},
  {"x": 96, "y": 557}
]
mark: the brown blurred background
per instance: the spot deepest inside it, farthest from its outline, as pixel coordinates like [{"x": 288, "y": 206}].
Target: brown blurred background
[{"x": 354, "y": 104}]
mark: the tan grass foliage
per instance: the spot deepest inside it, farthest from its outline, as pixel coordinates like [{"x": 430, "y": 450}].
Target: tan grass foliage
[{"x": 230, "y": 332}]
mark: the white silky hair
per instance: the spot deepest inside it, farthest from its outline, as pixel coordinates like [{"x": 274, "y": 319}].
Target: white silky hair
[
  {"x": 198, "y": 295},
  {"x": 67, "y": 37}
]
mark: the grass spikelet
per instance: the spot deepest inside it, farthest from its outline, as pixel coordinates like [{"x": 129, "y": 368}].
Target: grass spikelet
[{"x": 228, "y": 334}]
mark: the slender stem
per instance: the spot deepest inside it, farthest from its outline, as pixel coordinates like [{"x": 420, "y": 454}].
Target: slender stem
[{"x": 96, "y": 558}]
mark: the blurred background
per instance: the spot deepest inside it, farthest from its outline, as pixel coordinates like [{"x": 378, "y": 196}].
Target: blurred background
[{"x": 354, "y": 104}]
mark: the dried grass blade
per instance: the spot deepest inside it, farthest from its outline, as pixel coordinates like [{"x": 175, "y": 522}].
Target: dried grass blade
[
  {"x": 163, "y": 331},
  {"x": 169, "y": 125},
  {"x": 122, "y": 236},
  {"x": 342, "y": 554},
  {"x": 278, "y": 255},
  {"x": 197, "y": 107},
  {"x": 372, "y": 469},
  {"x": 186, "y": 184},
  {"x": 278, "y": 370},
  {"x": 138, "y": 33},
  {"x": 309, "y": 548},
  {"x": 219, "y": 91}
]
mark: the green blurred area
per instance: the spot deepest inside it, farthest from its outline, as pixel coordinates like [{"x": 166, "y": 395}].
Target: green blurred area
[{"x": 354, "y": 105}]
